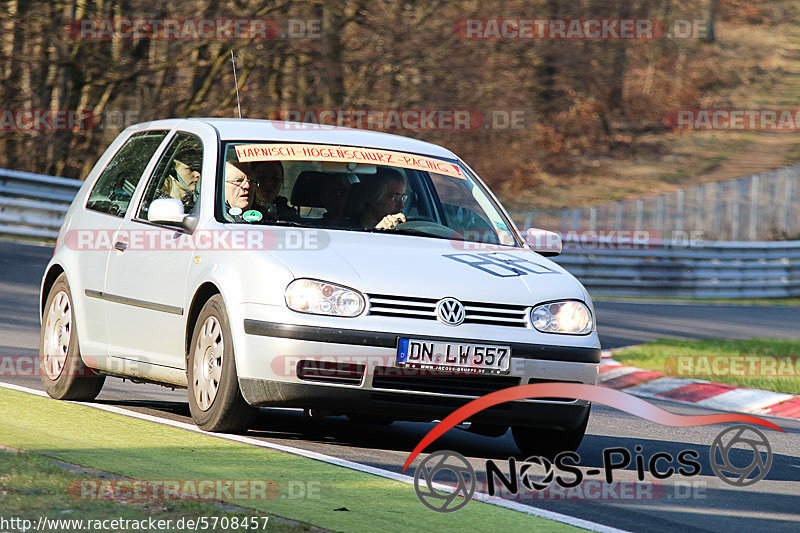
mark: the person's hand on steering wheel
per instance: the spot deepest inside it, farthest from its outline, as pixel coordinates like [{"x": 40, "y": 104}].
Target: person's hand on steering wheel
[{"x": 391, "y": 221}]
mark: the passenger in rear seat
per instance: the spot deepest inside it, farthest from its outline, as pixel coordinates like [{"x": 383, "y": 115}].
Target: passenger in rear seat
[
  {"x": 267, "y": 182},
  {"x": 334, "y": 198}
]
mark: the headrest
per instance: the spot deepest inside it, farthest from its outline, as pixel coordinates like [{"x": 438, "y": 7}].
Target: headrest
[{"x": 307, "y": 191}]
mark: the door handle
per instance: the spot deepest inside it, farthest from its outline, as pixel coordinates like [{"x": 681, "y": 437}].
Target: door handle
[{"x": 121, "y": 246}]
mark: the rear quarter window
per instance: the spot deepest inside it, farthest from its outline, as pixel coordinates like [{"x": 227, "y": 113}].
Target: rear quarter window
[{"x": 114, "y": 188}]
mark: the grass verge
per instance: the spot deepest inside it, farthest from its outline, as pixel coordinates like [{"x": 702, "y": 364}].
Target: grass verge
[
  {"x": 32, "y": 486},
  {"x": 772, "y": 364},
  {"x": 341, "y": 499}
]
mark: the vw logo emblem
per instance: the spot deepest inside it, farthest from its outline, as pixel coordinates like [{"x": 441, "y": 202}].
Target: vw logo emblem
[{"x": 450, "y": 311}]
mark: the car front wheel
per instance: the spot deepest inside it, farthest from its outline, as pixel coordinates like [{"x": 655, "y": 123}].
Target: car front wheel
[
  {"x": 215, "y": 401},
  {"x": 63, "y": 372}
]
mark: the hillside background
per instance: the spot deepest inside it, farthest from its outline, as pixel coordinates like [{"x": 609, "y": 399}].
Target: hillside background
[{"x": 593, "y": 110}]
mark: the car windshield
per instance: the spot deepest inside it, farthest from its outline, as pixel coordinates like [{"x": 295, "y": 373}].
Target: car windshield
[{"x": 357, "y": 189}]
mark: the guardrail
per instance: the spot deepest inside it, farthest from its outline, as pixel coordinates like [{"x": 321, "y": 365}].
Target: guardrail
[
  {"x": 34, "y": 205},
  {"x": 701, "y": 269}
]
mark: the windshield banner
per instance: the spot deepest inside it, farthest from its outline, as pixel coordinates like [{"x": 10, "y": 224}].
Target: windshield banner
[{"x": 248, "y": 153}]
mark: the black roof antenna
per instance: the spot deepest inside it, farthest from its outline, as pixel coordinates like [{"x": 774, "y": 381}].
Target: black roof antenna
[{"x": 236, "y": 84}]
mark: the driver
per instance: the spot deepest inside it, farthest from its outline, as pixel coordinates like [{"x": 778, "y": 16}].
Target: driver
[{"x": 385, "y": 195}]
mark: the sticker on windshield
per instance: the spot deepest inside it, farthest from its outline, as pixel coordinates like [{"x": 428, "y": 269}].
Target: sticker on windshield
[
  {"x": 235, "y": 211},
  {"x": 500, "y": 265},
  {"x": 252, "y": 215},
  {"x": 248, "y": 153}
]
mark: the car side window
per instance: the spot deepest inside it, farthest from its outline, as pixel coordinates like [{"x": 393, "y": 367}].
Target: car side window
[
  {"x": 177, "y": 174},
  {"x": 459, "y": 204},
  {"x": 114, "y": 188}
]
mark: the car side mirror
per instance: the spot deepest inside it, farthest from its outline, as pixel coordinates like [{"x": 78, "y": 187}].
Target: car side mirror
[
  {"x": 168, "y": 211},
  {"x": 547, "y": 243}
]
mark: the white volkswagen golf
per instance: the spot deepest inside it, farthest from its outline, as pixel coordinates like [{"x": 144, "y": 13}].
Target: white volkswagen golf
[{"x": 336, "y": 270}]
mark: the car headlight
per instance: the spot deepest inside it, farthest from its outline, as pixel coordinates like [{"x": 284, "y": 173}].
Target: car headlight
[
  {"x": 570, "y": 317},
  {"x": 321, "y": 298}
]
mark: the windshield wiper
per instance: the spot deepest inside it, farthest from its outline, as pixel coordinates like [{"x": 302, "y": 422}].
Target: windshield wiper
[
  {"x": 414, "y": 232},
  {"x": 291, "y": 223}
]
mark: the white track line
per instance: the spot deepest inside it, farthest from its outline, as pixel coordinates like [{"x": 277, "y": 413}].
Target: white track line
[{"x": 514, "y": 506}]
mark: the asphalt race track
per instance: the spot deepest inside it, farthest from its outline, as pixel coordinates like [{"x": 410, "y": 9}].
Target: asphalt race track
[{"x": 700, "y": 503}]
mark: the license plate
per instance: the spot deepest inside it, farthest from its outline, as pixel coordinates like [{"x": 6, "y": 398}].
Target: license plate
[{"x": 472, "y": 358}]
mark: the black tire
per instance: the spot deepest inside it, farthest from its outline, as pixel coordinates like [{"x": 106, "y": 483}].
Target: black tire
[
  {"x": 70, "y": 378},
  {"x": 227, "y": 411},
  {"x": 548, "y": 442}
]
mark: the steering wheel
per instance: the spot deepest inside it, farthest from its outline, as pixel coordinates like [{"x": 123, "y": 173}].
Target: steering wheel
[
  {"x": 425, "y": 225},
  {"x": 419, "y": 218}
]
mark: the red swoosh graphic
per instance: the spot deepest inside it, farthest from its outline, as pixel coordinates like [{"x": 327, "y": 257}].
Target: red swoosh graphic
[{"x": 592, "y": 393}]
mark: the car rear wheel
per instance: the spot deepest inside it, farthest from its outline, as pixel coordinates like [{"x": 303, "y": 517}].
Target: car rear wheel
[
  {"x": 547, "y": 442},
  {"x": 215, "y": 401},
  {"x": 63, "y": 372}
]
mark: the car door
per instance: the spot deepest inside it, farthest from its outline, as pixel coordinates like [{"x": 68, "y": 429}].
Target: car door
[
  {"x": 146, "y": 277},
  {"x": 106, "y": 206}
]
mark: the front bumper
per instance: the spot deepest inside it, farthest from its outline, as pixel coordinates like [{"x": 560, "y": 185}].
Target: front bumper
[
  {"x": 268, "y": 376},
  {"x": 403, "y": 406}
]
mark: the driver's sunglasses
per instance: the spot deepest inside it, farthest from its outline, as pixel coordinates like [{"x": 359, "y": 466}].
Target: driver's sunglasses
[
  {"x": 239, "y": 182},
  {"x": 397, "y": 197}
]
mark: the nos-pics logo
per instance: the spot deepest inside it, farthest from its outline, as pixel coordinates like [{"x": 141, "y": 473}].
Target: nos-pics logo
[
  {"x": 445, "y": 481},
  {"x": 449, "y": 463}
]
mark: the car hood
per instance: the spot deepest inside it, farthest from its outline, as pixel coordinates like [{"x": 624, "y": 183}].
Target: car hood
[{"x": 392, "y": 264}]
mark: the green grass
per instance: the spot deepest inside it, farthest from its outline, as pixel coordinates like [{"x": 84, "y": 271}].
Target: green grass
[
  {"x": 32, "y": 486},
  {"x": 666, "y": 356},
  {"x": 43, "y": 241},
  {"x": 148, "y": 451}
]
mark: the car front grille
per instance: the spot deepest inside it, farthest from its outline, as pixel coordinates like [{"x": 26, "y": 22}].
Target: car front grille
[
  {"x": 440, "y": 382},
  {"x": 425, "y": 309}
]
